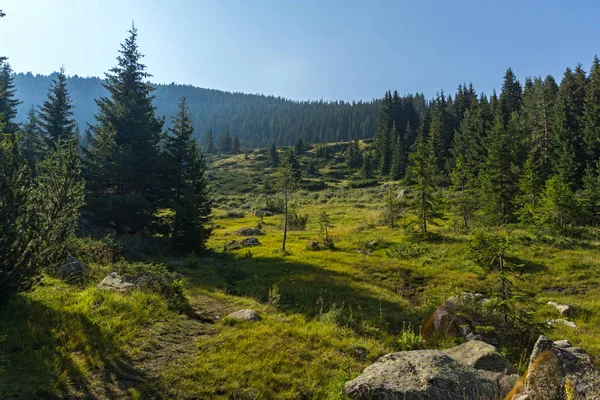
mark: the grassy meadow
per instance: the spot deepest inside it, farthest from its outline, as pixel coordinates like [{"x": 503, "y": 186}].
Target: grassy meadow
[{"x": 320, "y": 310}]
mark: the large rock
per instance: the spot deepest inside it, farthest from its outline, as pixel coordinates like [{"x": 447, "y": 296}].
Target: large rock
[
  {"x": 249, "y": 232},
  {"x": 481, "y": 355},
  {"x": 552, "y": 364},
  {"x": 245, "y": 315},
  {"x": 420, "y": 375},
  {"x": 114, "y": 281},
  {"x": 250, "y": 242},
  {"x": 71, "y": 269},
  {"x": 560, "y": 321}
]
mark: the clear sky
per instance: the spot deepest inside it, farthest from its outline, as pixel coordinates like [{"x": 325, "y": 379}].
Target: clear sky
[{"x": 308, "y": 49}]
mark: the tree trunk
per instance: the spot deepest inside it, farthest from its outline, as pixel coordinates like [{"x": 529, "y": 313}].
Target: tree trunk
[{"x": 285, "y": 225}]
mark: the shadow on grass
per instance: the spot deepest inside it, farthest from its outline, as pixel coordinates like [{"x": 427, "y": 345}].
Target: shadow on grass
[
  {"x": 45, "y": 353},
  {"x": 310, "y": 290}
]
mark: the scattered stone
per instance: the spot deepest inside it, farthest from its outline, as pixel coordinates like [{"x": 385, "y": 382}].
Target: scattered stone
[
  {"x": 420, "y": 375},
  {"x": 560, "y": 321},
  {"x": 552, "y": 363},
  {"x": 233, "y": 245},
  {"x": 249, "y": 232},
  {"x": 564, "y": 309},
  {"x": 250, "y": 242},
  {"x": 481, "y": 355},
  {"x": 245, "y": 315},
  {"x": 114, "y": 281},
  {"x": 71, "y": 269}
]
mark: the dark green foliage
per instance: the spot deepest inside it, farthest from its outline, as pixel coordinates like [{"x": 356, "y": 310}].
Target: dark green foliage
[
  {"x": 31, "y": 141},
  {"x": 510, "y": 99},
  {"x": 591, "y": 114},
  {"x": 527, "y": 201},
  {"x": 590, "y": 194},
  {"x": 296, "y": 220},
  {"x": 8, "y": 102},
  {"x": 558, "y": 207},
  {"x": 55, "y": 115},
  {"x": 123, "y": 167},
  {"x": 353, "y": 156},
  {"x": 299, "y": 146},
  {"x": 59, "y": 194},
  {"x": 19, "y": 240},
  {"x": 235, "y": 145},
  {"x": 383, "y": 136},
  {"x": 273, "y": 156},
  {"x": 190, "y": 197},
  {"x": 209, "y": 143},
  {"x": 225, "y": 142},
  {"x": 424, "y": 176},
  {"x": 368, "y": 165},
  {"x": 463, "y": 192},
  {"x": 289, "y": 158}
]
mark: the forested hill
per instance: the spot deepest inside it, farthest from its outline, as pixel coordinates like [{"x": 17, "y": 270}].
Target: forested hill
[{"x": 257, "y": 120}]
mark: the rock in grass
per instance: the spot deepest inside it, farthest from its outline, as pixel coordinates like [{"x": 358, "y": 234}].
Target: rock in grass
[
  {"x": 420, "y": 375},
  {"x": 564, "y": 309},
  {"x": 480, "y": 355},
  {"x": 250, "y": 242},
  {"x": 233, "y": 245},
  {"x": 568, "y": 324},
  {"x": 249, "y": 232},
  {"x": 245, "y": 315},
  {"x": 114, "y": 281},
  {"x": 553, "y": 366}
]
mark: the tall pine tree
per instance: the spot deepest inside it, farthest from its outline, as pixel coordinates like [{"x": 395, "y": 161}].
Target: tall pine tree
[{"x": 56, "y": 113}]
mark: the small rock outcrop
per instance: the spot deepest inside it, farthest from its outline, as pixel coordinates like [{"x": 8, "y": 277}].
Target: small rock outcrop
[
  {"x": 71, "y": 269},
  {"x": 249, "y": 232},
  {"x": 114, "y": 281},
  {"x": 245, "y": 315},
  {"x": 481, "y": 355},
  {"x": 557, "y": 366},
  {"x": 564, "y": 309},
  {"x": 420, "y": 375},
  {"x": 250, "y": 242},
  {"x": 560, "y": 321}
]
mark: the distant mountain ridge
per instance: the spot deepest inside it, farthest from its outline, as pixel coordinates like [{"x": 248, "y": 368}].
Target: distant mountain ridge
[{"x": 257, "y": 120}]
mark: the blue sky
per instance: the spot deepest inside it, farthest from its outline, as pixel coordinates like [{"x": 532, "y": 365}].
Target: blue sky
[{"x": 308, "y": 49}]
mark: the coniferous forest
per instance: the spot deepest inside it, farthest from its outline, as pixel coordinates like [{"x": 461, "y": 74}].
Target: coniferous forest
[{"x": 167, "y": 241}]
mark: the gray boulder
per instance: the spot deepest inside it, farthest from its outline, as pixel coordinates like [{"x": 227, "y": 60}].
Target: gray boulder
[
  {"x": 480, "y": 355},
  {"x": 114, "y": 281},
  {"x": 564, "y": 309},
  {"x": 420, "y": 375},
  {"x": 249, "y": 232},
  {"x": 245, "y": 315},
  {"x": 560, "y": 321},
  {"x": 250, "y": 242},
  {"x": 71, "y": 269},
  {"x": 552, "y": 364},
  {"x": 233, "y": 245}
]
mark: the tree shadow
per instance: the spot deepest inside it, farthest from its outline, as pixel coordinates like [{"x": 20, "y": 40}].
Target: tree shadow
[
  {"x": 311, "y": 291},
  {"x": 46, "y": 353}
]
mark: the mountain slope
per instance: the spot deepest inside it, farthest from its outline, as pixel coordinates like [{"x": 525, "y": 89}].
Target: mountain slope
[{"x": 258, "y": 120}]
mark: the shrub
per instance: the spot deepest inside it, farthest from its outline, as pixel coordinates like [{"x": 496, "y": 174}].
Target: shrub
[
  {"x": 274, "y": 296},
  {"x": 155, "y": 278},
  {"x": 234, "y": 214},
  {"x": 296, "y": 221},
  {"x": 313, "y": 185},
  {"x": 362, "y": 183},
  {"x": 104, "y": 251}
]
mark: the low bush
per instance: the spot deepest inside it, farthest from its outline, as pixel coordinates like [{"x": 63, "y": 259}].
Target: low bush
[
  {"x": 297, "y": 221},
  {"x": 362, "y": 183},
  {"x": 92, "y": 251}
]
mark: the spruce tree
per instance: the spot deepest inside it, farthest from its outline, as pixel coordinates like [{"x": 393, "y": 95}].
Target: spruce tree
[
  {"x": 8, "y": 102},
  {"x": 225, "y": 142},
  {"x": 558, "y": 207},
  {"x": 591, "y": 114},
  {"x": 589, "y": 196},
  {"x": 368, "y": 165},
  {"x": 31, "y": 141},
  {"x": 287, "y": 182},
  {"x": 383, "y": 136},
  {"x": 59, "y": 194},
  {"x": 179, "y": 148},
  {"x": 209, "y": 144},
  {"x": 235, "y": 145},
  {"x": 397, "y": 167},
  {"x": 299, "y": 146},
  {"x": 353, "y": 156},
  {"x": 463, "y": 191},
  {"x": 124, "y": 169},
  {"x": 56, "y": 113},
  {"x": 424, "y": 174},
  {"x": 19, "y": 233},
  {"x": 273, "y": 156},
  {"x": 511, "y": 97},
  {"x": 527, "y": 201},
  {"x": 498, "y": 176}
]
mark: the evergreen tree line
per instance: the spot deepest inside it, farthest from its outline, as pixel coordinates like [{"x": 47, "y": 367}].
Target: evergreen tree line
[
  {"x": 530, "y": 154},
  {"x": 129, "y": 170},
  {"x": 256, "y": 120}
]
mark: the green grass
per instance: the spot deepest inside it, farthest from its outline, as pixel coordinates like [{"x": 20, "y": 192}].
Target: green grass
[{"x": 65, "y": 340}]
